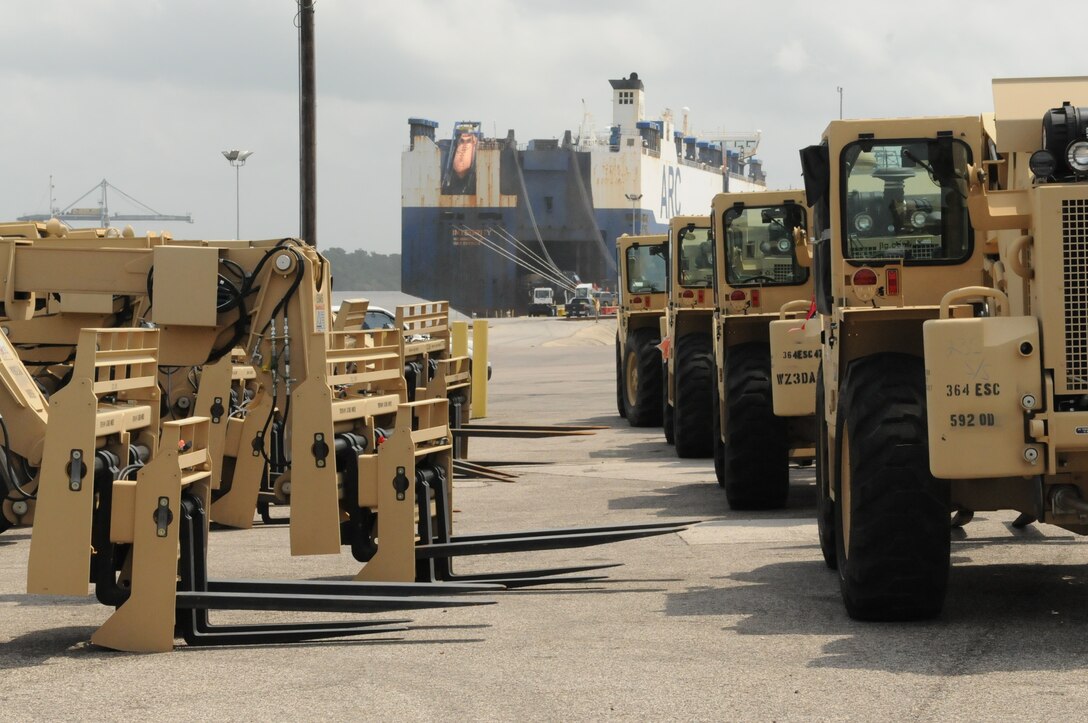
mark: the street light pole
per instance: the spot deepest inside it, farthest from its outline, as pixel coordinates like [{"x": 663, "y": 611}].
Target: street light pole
[
  {"x": 634, "y": 198},
  {"x": 838, "y": 88},
  {"x": 237, "y": 159}
]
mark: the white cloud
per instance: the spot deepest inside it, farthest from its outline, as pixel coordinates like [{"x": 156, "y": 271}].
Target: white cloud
[
  {"x": 791, "y": 57},
  {"x": 147, "y": 93}
]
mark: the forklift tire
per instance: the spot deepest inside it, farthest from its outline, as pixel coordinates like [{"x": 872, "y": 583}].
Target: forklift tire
[
  {"x": 642, "y": 379},
  {"x": 7, "y": 495},
  {"x": 825, "y": 506},
  {"x": 756, "y": 454},
  {"x": 719, "y": 445},
  {"x": 893, "y": 546},
  {"x": 619, "y": 382},
  {"x": 692, "y": 432},
  {"x": 667, "y": 415}
]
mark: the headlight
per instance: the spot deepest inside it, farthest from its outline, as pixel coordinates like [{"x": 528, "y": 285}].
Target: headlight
[
  {"x": 784, "y": 246},
  {"x": 1064, "y": 137},
  {"x": 918, "y": 219},
  {"x": 1042, "y": 164},
  {"x": 863, "y": 222},
  {"x": 1077, "y": 156}
]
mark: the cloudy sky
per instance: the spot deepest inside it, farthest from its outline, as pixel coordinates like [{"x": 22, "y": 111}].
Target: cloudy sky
[{"x": 146, "y": 93}]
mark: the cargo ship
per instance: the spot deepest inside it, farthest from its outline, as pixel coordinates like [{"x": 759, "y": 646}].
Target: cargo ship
[{"x": 486, "y": 220}]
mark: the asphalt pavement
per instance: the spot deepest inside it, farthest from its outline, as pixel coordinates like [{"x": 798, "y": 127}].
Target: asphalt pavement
[{"x": 735, "y": 619}]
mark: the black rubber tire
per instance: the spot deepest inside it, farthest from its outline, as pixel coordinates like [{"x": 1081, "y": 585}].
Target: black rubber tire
[
  {"x": 897, "y": 563},
  {"x": 825, "y": 506},
  {"x": 716, "y": 424},
  {"x": 6, "y": 493},
  {"x": 667, "y": 415},
  {"x": 756, "y": 454},
  {"x": 692, "y": 432},
  {"x": 619, "y": 382},
  {"x": 642, "y": 410}
]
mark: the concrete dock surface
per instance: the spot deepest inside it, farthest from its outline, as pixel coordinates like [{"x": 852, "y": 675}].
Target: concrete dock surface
[{"x": 737, "y": 618}]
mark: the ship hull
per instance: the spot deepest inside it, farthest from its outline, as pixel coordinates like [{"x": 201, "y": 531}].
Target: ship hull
[{"x": 485, "y": 220}]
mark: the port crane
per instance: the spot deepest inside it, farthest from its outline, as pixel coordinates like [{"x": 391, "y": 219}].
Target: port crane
[{"x": 101, "y": 215}]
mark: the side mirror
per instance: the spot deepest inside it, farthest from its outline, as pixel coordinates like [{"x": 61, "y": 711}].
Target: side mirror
[
  {"x": 942, "y": 159},
  {"x": 802, "y": 248},
  {"x": 816, "y": 167}
]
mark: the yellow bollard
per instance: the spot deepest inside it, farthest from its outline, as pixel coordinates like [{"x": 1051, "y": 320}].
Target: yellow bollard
[
  {"x": 459, "y": 330},
  {"x": 479, "y": 369}
]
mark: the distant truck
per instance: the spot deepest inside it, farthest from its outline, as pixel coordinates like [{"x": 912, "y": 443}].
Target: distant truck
[
  {"x": 542, "y": 302},
  {"x": 581, "y": 304}
]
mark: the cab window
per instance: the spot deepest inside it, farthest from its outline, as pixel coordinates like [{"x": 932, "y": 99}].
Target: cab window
[
  {"x": 759, "y": 245},
  {"x": 906, "y": 202},
  {"x": 696, "y": 257},
  {"x": 646, "y": 269}
]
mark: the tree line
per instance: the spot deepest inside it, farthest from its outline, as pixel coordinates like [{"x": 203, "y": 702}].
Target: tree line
[{"x": 361, "y": 270}]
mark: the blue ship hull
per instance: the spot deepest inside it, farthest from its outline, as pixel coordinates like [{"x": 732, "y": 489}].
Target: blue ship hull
[
  {"x": 486, "y": 219},
  {"x": 440, "y": 262}
]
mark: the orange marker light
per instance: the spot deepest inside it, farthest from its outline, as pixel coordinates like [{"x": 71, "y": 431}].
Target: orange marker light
[{"x": 891, "y": 282}]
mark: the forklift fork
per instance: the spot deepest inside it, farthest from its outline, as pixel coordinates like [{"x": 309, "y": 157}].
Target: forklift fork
[
  {"x": 437, "y": 546},
  {"x": 197, "y": 595}
]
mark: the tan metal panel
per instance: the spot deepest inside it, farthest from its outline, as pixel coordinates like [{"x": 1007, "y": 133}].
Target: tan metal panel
[
  {"x": 315, "y": 511},
  {"x": 978, "y": 372},
  {"x": 795, "y": 357},
  {"x": 185, "y": 289},
  {"x": 60, "y": 549},
  {"x": 1019, "y": 105},
  {"x": 395, "y": 560}
]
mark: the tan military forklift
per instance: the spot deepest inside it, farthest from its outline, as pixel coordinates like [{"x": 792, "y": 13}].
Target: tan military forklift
[
  {"x": 643, "y": 295},
  {"x": 892, "y": 239},
  {"x": 1007, "y": 394},
  {"x": 687, "y": 348},
  {"x": 765, "y": 348}
]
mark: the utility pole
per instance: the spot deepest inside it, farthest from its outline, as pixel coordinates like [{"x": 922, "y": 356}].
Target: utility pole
[
  {"x": 634, "y": 198},
  {"x": 307, "y": 124}
]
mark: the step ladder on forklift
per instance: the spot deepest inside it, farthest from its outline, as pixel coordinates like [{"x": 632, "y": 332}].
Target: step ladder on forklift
[
  {"x": 126, "y": 502},
  {"x": 412, "y": 510}
]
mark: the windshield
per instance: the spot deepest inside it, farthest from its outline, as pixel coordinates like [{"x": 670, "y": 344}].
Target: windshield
[
  {"x": 906, "y": 201},
  {"x": 378, "y": 320},
  {"x": 646, "y": 269},
  {"x": 759, "y": 245},
  {"x": 696, "y": 257}
]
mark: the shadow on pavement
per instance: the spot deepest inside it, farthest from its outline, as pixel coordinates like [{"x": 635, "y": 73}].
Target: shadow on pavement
[
  {"x": 706, "y": 500},
  {"x": 38, "y": 647},
  {"x": 1005, "y": 617},
  {"x": 9, "y": 538}
]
